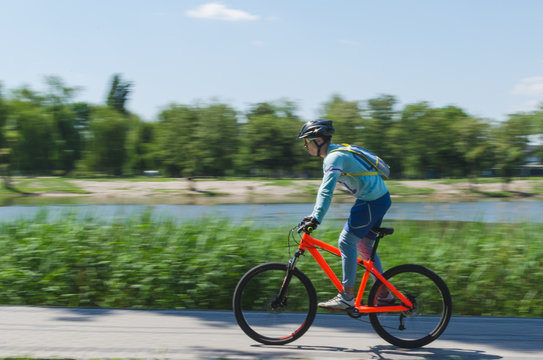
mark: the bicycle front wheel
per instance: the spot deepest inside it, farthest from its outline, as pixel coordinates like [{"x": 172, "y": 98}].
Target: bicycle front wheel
[
  {"x": 266, "y": 318},
  {"x": 429, "y": 316}
]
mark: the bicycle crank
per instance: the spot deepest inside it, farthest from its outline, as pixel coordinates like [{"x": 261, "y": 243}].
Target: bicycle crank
[{"x": 354, "y": 313}]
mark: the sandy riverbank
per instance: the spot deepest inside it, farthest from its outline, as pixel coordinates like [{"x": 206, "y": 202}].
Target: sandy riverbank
[{"x": 253, "y": 191}]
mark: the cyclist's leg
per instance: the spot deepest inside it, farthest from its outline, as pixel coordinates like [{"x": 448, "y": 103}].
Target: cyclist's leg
[
  {"x": 347, "y": 246},
  {"x": 345, "y": 299},
  {"x": 365, "y": 247},
  {"x": 364, "y": 216}
]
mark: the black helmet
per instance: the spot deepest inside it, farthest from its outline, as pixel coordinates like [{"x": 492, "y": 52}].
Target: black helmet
[{"x": 317, "y": 128}]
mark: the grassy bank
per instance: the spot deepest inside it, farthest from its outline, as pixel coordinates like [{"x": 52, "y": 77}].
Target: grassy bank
[
  {"x": 139, "y": 263},
  {"x": 42, "y": 185}
]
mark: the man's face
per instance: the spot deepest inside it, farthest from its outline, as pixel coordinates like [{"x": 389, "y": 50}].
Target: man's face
[{"x": 311, "y": 146}]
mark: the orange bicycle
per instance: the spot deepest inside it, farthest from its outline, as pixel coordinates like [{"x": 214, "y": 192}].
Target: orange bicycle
[{"x": 275, "y": 303}]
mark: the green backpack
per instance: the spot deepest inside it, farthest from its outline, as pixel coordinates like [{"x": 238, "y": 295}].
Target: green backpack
[{"x": 370, "y": 158}]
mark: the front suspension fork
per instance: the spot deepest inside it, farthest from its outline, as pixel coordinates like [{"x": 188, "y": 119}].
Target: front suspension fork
[{"x": 281, "y": 299}]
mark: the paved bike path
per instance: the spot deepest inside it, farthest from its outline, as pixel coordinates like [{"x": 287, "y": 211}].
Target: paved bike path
[{"x": 41, "y": 332}]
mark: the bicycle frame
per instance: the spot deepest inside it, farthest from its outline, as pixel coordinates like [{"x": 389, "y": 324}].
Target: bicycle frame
[{"x": 313, "y": 245}]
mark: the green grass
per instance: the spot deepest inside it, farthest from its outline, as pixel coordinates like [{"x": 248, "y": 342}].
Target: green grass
[
  {"x": 538, "y": 188},
  {"x": 491, "y": 269},
  {"x": 490, "y": 180},
  {"x": 494, "y": 194},
  {"x": 280, "y": 182},
  {"x": 128, "y": 178},
  {"x": 484, "y": 180},
  {"x": 402, "y": 190},
  {"x": 47, "y": 184}
]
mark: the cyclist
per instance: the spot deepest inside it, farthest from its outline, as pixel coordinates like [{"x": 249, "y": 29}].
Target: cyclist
[{"x": 372, "y": 202}]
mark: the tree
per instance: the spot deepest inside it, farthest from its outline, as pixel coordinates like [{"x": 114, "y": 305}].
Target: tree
[
  {"x": 3, "y": 116},
  {"x": 33, "y": 138},
  {"x": 5, "y": 149},
  {"x": 106, "y": 146},
  {"x": 422, "y": 144},
  {"x": 118, "y": 94},
  {"x": 379, "y": 119},
  {"x": 538, "y": 131},
  {"x": 175, "y": 134},
  {"x": 268, "y": 142},
  {"x": 139, "y": 145},
  {"x": 472, "y": 142},
  {"x": 82, "y": 116},
  {"x": 57, "y": 94},
  {"x": 511, "y": 140},
  {"x": 196, "y": 141},
  {"x": 346, "y": 117},
  {"x": 68, "y": 138},
  {"x": 44, "y": 136},
  {"x": 259, "y": 109},
  {"x": 213, "y": 149}
]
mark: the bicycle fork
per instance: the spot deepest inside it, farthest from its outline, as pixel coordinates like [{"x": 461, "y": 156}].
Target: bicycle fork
[{"x": 281, "y": 299}]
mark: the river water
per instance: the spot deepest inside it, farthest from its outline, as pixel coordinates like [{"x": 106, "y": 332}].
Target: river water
[{"x": 483, "y": 211}]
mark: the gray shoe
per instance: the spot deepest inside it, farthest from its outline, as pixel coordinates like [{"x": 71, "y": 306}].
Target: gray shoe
[{"x": 337, "y": 303}]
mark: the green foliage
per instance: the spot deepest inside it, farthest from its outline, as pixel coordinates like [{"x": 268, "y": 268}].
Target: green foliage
[
  {"x": 47, "y": 133},
  {"x": 174, "y": 135},
  {"x": 378, "y": 126},
  {"x": 118, "y": 94},
  {"x": 3, "y": 117},
  {"x": 49, "y": 184},
  {"x": 33, "y": 141},
  {"x": 347, "y": 118},
  {"x": 401, "y": 190},
  {"x": 472, "y": 142},
  {"x": 511, "y": 139},
  {"x": 193, "y": 141},
  {"x": 106, "y": 146},
  {"x": 215, "y": 141},
  {"x": 422, "y": 138},
  {"x": 135, "y": 263},
  {"x": 491, "y": 269},
  {"x": 268, "y": 141},
  {"x": 140, "y": 148}
]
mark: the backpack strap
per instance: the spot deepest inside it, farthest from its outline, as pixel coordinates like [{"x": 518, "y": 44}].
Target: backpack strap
[{"x": 366, "y": 173}]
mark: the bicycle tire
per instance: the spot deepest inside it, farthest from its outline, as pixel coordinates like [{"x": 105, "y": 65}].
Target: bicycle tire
[
  {"x": 252, "y": 304},
  {"x": 431, "y": 312}
]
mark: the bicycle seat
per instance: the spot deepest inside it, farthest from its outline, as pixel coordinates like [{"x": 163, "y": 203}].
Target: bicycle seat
[{"x": 384, "y": 231}]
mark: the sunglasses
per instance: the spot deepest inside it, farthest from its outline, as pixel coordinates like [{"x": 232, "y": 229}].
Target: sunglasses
[{"x": 308, "y": 140}]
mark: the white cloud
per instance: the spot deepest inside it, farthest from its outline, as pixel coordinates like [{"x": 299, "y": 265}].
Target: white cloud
[
  {"x": 218, "y": 11},
  {"x": 526, "y": 106},
  {"x": 530, "y": 86}
]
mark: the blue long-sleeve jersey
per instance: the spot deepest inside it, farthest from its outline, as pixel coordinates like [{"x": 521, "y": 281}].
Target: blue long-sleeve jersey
[{"x": 335, "y": 163}]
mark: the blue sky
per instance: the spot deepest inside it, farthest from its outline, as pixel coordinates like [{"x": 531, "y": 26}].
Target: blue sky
[{"x": 485, "y": 56}]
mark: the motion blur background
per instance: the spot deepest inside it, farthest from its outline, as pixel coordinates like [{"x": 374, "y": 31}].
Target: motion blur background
[
  {"x": 195, "y": 88},
  {"x": 450, "y": 91}
]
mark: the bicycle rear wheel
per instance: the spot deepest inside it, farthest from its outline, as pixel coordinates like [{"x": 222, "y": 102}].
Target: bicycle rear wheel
[
  {"x": 428, "y": 318},
  {"x": 265, "y": 319}
]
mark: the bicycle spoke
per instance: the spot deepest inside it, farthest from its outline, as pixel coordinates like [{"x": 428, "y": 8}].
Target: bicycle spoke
[
  {"x": 428, "y": 317},
  {"x": 266, "y": 318}
]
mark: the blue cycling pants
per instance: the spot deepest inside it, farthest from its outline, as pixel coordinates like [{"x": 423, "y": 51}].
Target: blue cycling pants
[{"x": 364, "y": 216}]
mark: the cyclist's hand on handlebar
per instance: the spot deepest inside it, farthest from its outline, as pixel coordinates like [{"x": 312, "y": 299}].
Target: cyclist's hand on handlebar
[{"x": 308, "y": 224}]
